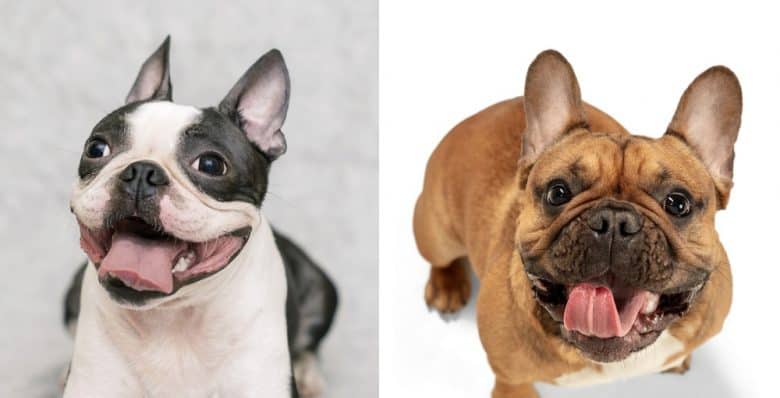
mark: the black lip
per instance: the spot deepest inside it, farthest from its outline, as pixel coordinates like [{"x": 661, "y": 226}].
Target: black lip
[
  {"x": 124, "y": 294},
  {"x": 120, "y": 216},
  {"x": 612, "y": 349}
]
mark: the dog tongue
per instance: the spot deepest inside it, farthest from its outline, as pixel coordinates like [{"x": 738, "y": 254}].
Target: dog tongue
[
  {"x": 591, "y": 310},
  {"x": 142, "y": 264}
]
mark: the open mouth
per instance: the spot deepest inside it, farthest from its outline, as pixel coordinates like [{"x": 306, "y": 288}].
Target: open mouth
[
  {"x": 607, "y": 320},
  {"x": 134, "y": 255}
]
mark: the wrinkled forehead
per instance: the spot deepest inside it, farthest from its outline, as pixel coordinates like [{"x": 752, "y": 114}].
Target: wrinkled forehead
[
  {"x": 580, "y": 155},
  {"x": 619, "y": 159},
  {"x": 667, "y": 161}
]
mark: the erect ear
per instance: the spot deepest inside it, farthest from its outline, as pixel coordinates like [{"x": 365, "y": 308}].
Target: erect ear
[
  {"x": 258, "y": 103},
  {"x": 154, "y": 79},
  {"x": 552, "y": 103},
  {"x": 708, "y": 118}
]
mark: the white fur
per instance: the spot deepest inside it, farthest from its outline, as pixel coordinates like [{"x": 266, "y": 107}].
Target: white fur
[
  {"x": 155, "y": 127},
  {"x": 308, "y": 376},
  {"x": 155, "y": 130},
  {"x": 652, "y": 359},
  {"x": 224, "y": 336}
]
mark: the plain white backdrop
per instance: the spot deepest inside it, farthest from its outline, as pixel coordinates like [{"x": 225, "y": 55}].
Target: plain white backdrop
[{"x": 441, "y": 62}]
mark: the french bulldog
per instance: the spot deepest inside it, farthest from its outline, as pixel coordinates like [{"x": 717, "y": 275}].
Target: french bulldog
[
  {"x": 188, "y": 291},
  {"x": 596, "y": 249}
]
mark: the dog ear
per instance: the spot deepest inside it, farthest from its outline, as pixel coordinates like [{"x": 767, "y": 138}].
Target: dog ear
[
  {"x": 258, "y": 103},
  {"x": 154, "y": 79},
  {"x": 707, "y": 119},
  {"x": 552, "y": 103}
]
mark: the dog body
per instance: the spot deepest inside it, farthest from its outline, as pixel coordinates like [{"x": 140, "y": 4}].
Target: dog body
[
  {"x": 188, "y": 291},
  {"x": 557, "y": 208},
  {"x": 227, "y": 338}
]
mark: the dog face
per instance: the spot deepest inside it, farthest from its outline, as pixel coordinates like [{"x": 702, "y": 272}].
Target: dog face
[
  {"x": 617, "y": 231},
  {"x": 167, "y": 193}
]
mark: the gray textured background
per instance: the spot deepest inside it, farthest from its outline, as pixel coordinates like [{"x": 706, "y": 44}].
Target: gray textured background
[{"x": 62, "y": 67}]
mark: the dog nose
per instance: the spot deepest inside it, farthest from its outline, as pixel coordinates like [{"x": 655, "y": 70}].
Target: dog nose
[
  {"x": 620, "y": 222},
  {"x": 142, "y": 179}
]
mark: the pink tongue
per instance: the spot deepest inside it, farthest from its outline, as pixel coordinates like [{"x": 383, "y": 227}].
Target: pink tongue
[
  {"x": 591, "y": 310},
  {"x": 141, "y": 264}
]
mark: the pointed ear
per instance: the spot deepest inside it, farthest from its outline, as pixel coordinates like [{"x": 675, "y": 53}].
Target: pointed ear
[
  {"x": 154, "y": 79},
  {"x": 552, "y": 103},
  {"x": 707, "y": 119},
  {"x": 258, "y": 103}
]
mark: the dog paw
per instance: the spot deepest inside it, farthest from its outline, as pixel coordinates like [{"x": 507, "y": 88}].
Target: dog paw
[
  {"x": 502, "y": 390},
  {"x": 308, "y": 377},
  {"x": 681, "y": 368},
  {"x": 448, "y": 289}
]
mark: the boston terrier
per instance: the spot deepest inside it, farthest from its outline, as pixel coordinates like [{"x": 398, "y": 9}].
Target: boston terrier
[{"x": 188, "y": 291}]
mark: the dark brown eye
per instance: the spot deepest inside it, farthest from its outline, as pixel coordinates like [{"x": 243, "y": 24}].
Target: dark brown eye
[
  {"x": 97, "y": 148},
  {"x": 558, "y": 193},
  {"x": 677, "y": 204},
  {"x": 211, "y": 164}
]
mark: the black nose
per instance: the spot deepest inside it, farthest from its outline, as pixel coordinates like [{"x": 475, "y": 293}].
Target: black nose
[
  {"x": 142, "y": 179},
  {"x": 615, "y": 221}
]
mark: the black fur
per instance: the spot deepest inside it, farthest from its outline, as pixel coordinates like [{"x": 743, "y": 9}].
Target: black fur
[
  {"x": 247, "y": 171},
  {"x": 311, "y": 298},
  {"x": 112, "y": 129},
  {"x": 73, "y": 297}
]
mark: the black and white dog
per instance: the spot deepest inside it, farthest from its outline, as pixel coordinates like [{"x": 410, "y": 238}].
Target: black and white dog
[{"x": 188, "y": 291}]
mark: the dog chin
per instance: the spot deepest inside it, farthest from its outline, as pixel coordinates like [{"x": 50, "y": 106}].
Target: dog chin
[
  {"x": 606, "y": 320},
  {"x": 142, "y": 265}
]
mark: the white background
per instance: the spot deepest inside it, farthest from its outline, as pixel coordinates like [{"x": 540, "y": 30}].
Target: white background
[{"x": 440, "y": 62}]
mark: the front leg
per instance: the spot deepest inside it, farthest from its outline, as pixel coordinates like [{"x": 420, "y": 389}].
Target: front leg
[
  {"x": 519, "y": 349},
  {"x": 448, "y": 288},
  {"x": 503, "y": 390},
  {"x": 97, "y": 369},
  {"x": 260, "y": 371},
  {"x": 681, "y": 368},
  {"x": 95, "y": 387},
  {"x": 104, "y": 377}
]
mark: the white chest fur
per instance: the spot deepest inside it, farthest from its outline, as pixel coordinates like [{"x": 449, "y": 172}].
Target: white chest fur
[
  {"x": 228, "y": 339},
  {"x": 650, "y": 360}
]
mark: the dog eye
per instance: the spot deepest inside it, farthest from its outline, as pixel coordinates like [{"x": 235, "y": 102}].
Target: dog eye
[
  {"x": 211, "y": 164},
  {"x": 677, "y": 204},
  {"x": 97, "y": 148},
  {"x": 558, "y": 193}
]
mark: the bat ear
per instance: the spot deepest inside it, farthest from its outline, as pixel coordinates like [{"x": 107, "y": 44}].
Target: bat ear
[
  {"x": 707, "y": 119},
  {"x": 552, "y": 103},
  {"x": 258, "y": 102},
  {"x": 154, "y": 79}
]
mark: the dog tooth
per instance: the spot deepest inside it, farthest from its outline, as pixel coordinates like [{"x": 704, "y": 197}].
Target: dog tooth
[
  {"x": 651, "y": 303},
  {"x": 539, "y": 285},
  {"x": 182, "y": 264}
]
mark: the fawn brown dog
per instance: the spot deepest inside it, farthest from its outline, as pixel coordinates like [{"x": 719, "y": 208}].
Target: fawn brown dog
[{"x": 596, "y": 249}]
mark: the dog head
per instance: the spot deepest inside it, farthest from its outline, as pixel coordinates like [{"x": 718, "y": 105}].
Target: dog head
[
  {"x": 168, "y": 194},
  {"x": 617, "y": 231}
]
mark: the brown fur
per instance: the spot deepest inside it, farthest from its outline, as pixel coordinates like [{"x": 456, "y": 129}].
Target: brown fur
[{"x": 478, "y": 204}]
